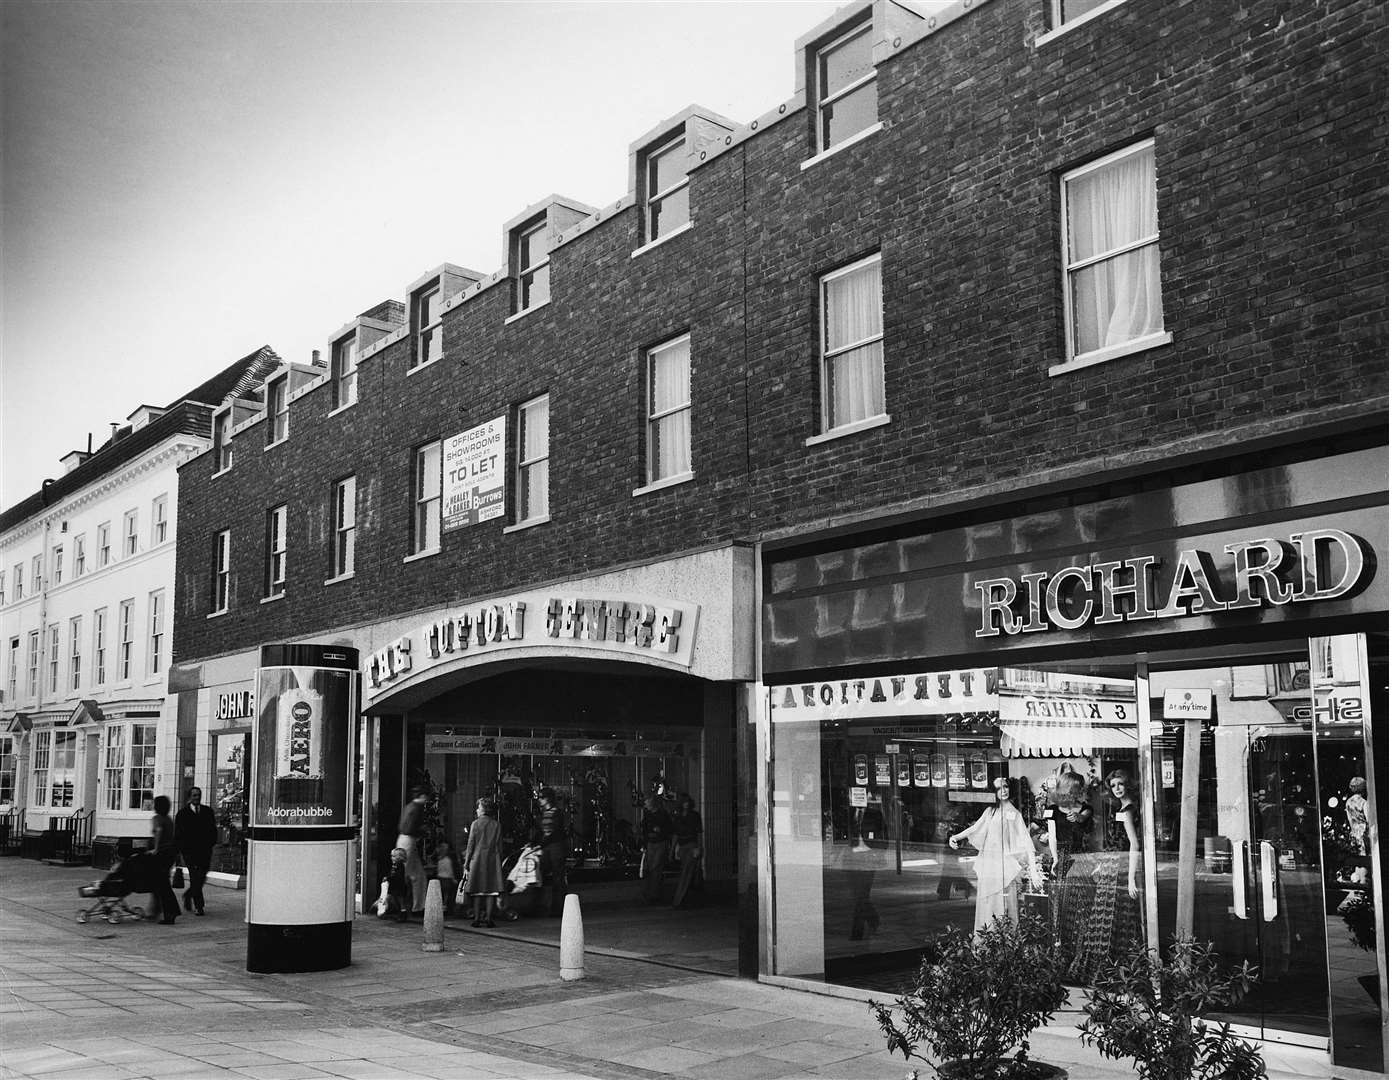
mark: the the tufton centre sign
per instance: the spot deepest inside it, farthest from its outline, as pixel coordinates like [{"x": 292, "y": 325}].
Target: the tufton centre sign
[{"x": 641, "y": 628}]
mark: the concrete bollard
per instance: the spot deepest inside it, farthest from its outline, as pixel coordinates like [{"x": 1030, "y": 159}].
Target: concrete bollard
[
  {"x": 571, "y": 940},
  {"x": 433, "y": 918}
]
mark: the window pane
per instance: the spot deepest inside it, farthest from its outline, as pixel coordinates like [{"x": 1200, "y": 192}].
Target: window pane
[
  {"x": 847, "y": 116},
  {"x": 670, "y": 376},
  {"x": 1074, "y": 9},
  {"x": 846, "y": 63},
  {"x": 535, "y": 287},
  {"x": 855, "y": 390},
  {"x": 431, "y": 344},
  {"x": 430, "y": 475},
  {"x": 535, "y": 490},
  {"x": 670, "y": 213},
  {"x": 1112, "y": 206},
  {"x": 535, "y": 430},
  {"x": 533, "y": 248},
  {"x": 854, "y": 306},
  {"x": 429, "y": 303},
  {"x": 670, "y": 445},
  {"x": 666, "y": 168},
  {"x": 1117, "y": 300}
]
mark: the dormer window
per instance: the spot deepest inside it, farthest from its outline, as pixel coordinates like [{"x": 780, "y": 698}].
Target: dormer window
[
  {"x": 426, "y": 325},
  {"x": 846, "y": 91},
  {"x": 345, "y": 371},
  {"x": 667, "y": 189},
  {"x": 532, "y": 265},
  {"x": 277, "y": 410},
  {"x": 221, "y": 440}
]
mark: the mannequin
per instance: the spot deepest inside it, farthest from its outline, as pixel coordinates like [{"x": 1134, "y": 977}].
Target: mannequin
[
  {"x": 1005, "y": 852},
  {"x": 1115, "y": 924},
  {"x": 1069, "y": 821}
]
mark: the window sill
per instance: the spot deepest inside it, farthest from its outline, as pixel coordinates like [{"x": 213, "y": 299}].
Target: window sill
[
  {"x": 277, "y": 442},
  {"x": 1067, "y": 27},
  {"x": 850, "y": 429},
  {"x": 669, "y": 481},
  {"x": 871, "y": 129},
  {"x": 1112, "y": 352},
  {"x": 218, "y": 614},
  {"x": 417, "y": 556},
  {"x": 341, "y": 577},
  {"x": 524, "y": 312},
  {"x": 342, "y": 408},
  {"x": 421, "y": 367},
  {"x": 272, "y": 599},
  {"x": 662, "y": 239},
  {"x": 219, "y": 472},
  {"x": 529, "y": 523}
]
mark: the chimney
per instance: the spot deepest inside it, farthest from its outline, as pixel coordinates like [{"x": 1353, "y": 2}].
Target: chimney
[{"x": 316, "y": 361}]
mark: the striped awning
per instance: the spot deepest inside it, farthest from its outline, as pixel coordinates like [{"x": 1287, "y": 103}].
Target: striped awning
[{"x": 1047, "y": 738}]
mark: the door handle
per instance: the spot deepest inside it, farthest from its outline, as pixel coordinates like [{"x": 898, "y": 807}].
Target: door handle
[
  {"x": 1268, "y": 876},
  {"x": 1239, "y": 874}
]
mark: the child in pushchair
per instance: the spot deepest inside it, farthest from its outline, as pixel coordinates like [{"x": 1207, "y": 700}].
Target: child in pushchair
[{"x": 133, "y": 874}]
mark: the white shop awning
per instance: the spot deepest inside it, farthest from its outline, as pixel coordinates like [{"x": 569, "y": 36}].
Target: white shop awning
[{"x": 1043, "y": 738}]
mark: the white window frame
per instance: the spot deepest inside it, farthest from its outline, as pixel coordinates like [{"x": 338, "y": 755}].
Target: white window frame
[
  {"x": 655, "y": 198},
  {"x": 345, "y": 351},
  {"x": 46, "y": 763},
  {"x": 425, "y": 332},
  {"x": 55, "y": 657},
  {"x": 57, "y": 565},
  {"x": 159, "y": 520},
  {"x": 131, "y": 546},
  {"x": 75, "y": 653},
  {"x": 9, "y": 771},
  {"x": 222, "y": 441},
  {"x": 1068, "y": 269},
  {"x": 125, "y": 651},
  {"x": 1060, "y": 25},
  {"x": 99, "y": 647},
  {"x": 2, "y": 586},
  {"x": 125, "y": 782},
  {"x": 527, "y": 274},
  {"x": 36, "y": 573},
  {"x": 79, "y": 555},
  {"x": 653, "y": 418},
  {"x": 18, "y": 582},
  {"x": 822, "y": 99},
  {"x": 31, "y": 683},
  {"x": 826, "y": 355},
  {"x": 221, "y": 571},
  {"x": 154, "y": 656},
  {"x": 277, "y": 411},
  {"x": 12, "y": 677},
  {"x": 276, "y": 549},
  {"x": 344, "y": 562},
  {"x": 422, "y": 504},
  {"x": 103, "y": 545},
  {"x": 525, "y": 466}
]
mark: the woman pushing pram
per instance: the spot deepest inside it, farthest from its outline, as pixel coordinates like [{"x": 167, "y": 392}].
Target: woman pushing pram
[{"x": 133, "y": 874}]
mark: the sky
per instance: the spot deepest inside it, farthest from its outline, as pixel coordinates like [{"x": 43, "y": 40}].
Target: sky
[{"x": 183, "y": 182}]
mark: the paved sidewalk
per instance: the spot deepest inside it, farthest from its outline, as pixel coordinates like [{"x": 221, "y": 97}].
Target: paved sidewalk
[{"x": 143, "y": 1000}]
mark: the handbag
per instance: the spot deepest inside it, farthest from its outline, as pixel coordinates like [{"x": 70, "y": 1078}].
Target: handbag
[{"x": 178, "y": 877}]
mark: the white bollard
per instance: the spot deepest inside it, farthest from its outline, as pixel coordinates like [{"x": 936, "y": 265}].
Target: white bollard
[
  {"x": 571, "y": 940},
  {"x": 433, "y": 918}
]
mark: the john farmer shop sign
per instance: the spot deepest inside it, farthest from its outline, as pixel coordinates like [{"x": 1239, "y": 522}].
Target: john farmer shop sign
[{"x": 618, "y": 627}]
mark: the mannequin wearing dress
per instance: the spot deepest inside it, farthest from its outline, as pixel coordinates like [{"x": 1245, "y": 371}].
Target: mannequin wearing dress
[{"x": 1005, "y": 852}]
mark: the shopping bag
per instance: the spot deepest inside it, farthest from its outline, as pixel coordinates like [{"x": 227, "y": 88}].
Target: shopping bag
[
  {"x": 178, "y": 877},
  {"x": 461, "y": 897},
  {"x": 1036, "y": 905}
]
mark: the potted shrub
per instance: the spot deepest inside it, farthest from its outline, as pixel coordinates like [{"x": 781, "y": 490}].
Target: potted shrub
[
  {"x": 976, "y": 997},
  {"x": 1147, "y": 1007}
]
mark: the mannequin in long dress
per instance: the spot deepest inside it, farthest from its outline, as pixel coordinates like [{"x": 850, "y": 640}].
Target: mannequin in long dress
[{"x": 1005, "y": 852}]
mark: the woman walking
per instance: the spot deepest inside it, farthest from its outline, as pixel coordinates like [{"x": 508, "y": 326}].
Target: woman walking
[{"x": 483, "y": 860}]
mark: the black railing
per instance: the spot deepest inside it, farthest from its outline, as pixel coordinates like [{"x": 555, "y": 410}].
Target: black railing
[{"x": 12, "y": 831}]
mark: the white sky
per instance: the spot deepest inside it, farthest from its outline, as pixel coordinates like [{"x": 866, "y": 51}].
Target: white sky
[{"x": 183, "y": 182}]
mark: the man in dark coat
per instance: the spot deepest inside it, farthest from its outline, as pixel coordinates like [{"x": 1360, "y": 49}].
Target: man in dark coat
[
  {"x": 195, "y": 831},
  {"x": 554, "y": 852},
  {"x": 656, "y": 832}
]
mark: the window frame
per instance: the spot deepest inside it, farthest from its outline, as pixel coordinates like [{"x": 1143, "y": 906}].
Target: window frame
[
  {"x": 119, "y": 768},
  {"x": 527, "y": 465},
  {"x": 99, "y": 621},
  {"x": 131, "y": 543},
  {"x": 2, "y": 587},
  {"x": 154, "y": 652},
  {"x": 57, "y": 564},
  {"x": 75, "y": 653},
  {"x": 103, "y": 545},
  {"x": 526, "y": 273},
  {"x": 276, "y": 550},
  {"x": 653, "y": 418},
  {"x": 55, "y": 655},
  {"x": 45, "y": 762},
  {"x": 221, "y": 572},
  {"x": 125, "y": 644},
  {"x": 31, "y": 682},
  {"x": 159, "y": 520},
  {"x": 18, "y": 582},
  {"x": 863, "y": 26},
  {"x": 1074, "y": 359},
  {"x": 655, "y": 198},
  {"x": 79, "y": 555},
  {"x": 420, "y": 500},
  {"x": 221, "y": 441},
  {"x": 826, "y": 355},
  {"x": 9, "y": 770},
  {"x": 277, "y": 410},
  {"x": 344, "y": 362},
  {"x": 423, "y": 333},
  {"x": 343, "y": 557},
  {"x": 36, "y": 572},
  {"x": 12, "y": 674}
]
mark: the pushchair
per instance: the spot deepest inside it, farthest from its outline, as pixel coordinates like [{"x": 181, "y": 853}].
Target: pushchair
[{"x": 133, "y": 874}]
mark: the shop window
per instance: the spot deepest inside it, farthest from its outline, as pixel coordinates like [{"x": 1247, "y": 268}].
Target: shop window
[
  {"x": 128, "y": 766},
  {"x": 155, "y": 654},
  {"x": 8, "y": 770},
  {"x": 79, "y": 556},
  {"x": 533, "y": 461},
  {"x": 277, "y": 409},
  {"x": 532, "y": 265},
  {"x": 276, "y": 550},
  {"x": 428, "y": 498},
  {"x": 1113, "y": 297},
  {"x": 221, "y": 571},
  {"x": 668, "y": 410},
  {"x": 75, "y": 653},
  {"x": 846, "y": 91},
  {"x": 426, "y": 324},
  {"x": 344, "y": 371},
  {"x": 851, "y": 373},
  {"x": 125, "y": 651},
  {"x": 99, "y": 647},
  {"x": 667, "y": 180},
  {"x": 344, "y": 527},
  {"x": 54, "y": 771},
  {"x": 222, "y": 441}
]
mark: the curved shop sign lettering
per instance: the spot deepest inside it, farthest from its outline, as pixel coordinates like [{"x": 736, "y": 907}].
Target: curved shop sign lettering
[{"x": 1314, "y": 565}]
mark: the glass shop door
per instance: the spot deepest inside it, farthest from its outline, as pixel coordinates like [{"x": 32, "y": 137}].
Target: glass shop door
[{"x": 1237, "y": 832}]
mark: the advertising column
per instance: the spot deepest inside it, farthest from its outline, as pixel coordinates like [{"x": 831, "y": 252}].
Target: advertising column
[{"x": 300, "y": 885}]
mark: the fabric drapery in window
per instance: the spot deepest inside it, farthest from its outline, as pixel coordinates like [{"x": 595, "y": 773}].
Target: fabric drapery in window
[
  {"x": 535, "y": 455},
  {"x": 853, "y": 345},
  {"x": 670, "y": 410}
]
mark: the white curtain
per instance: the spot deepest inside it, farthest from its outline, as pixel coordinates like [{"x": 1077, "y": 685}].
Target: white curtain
[
  {"x": 535, "y": 450},
  {"x": 670, "y": 390},
  {"x": 1120, "y": 298},
  {"x": 854, "y": 314}
]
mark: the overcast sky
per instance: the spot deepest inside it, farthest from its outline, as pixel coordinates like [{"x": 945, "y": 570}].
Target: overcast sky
[{"x": 184, "y": 182}]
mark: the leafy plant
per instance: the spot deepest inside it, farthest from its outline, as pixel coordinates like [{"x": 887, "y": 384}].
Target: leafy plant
[
  {"x": 1359, "y": 916},
  {"x": 976, "y": 996},
  {"x": 1147, "y": 1007}
]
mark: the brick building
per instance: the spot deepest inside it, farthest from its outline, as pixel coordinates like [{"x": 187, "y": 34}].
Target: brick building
[{"x": 1007, "y": 405}]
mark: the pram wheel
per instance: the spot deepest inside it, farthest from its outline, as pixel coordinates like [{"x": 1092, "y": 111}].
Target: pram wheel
[
  {"x": 81, "y": 916},
  {"x": 114, "y": 917}
]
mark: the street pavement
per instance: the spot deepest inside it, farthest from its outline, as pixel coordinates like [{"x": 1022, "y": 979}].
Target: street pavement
[{"x": 119, "y": 1002}]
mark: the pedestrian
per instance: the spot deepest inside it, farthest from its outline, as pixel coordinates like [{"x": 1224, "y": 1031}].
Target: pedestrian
[
  {"x": 448, "y": 877},
  {"x": 689, "y": 847},
  {"x": 195, "y": 832},
  {"x": 523, "y": 890},
  {"x": 165, "y": 850},
  {"x": 656, "y": 832},
  {"x": 483, "y": 862},
  {"x": 410, "y": 837},
  {"x": 394, "y": 901},
  {"x": 554, "y": 851}
]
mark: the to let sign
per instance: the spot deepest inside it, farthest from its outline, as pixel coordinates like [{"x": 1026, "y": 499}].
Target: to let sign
[{"x": 474, "y": 475}]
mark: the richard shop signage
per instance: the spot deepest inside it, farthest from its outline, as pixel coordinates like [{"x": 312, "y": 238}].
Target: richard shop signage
[
  {"x": 1314, "y": 565},
  {"x": 619, "y": 626}
]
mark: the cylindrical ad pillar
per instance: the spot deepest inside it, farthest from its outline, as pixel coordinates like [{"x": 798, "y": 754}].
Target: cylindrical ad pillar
[{"x": 302, "y": 855}]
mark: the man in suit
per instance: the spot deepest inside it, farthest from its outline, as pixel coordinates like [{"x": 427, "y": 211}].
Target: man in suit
[{"x": 195, "y": 830}]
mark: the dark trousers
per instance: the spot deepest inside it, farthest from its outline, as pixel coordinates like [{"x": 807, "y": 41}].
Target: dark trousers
[
  {"x": 689, "y": 856},
  {"x": 554, "y": 875},
  {"x": 163, "y": 891},
  {"x": 197, "y": 874},
  {"x": 657, "y": 855}
]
